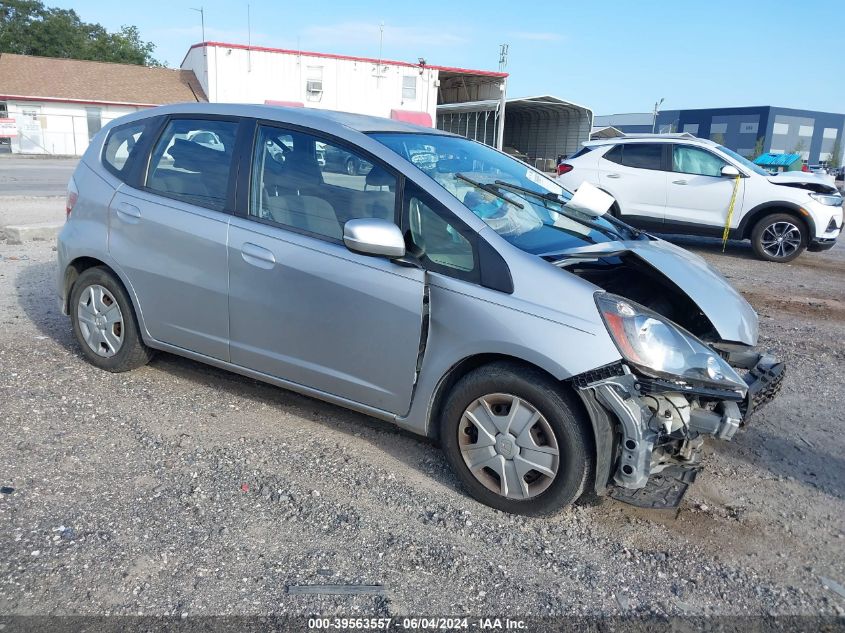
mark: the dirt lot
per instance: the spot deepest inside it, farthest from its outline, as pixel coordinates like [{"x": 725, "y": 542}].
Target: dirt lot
[{"x": 181, "y": 489}]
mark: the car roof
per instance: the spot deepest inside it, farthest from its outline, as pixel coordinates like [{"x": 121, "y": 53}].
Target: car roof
[
  {"x": 651, "y": 138},
  {"x": 309, "y": 117}
]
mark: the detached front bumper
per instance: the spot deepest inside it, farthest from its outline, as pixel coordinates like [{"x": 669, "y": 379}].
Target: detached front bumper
[{"x": 649, "y": 433}]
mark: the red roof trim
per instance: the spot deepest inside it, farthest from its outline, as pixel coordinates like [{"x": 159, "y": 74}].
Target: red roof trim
[
  {"x": 80, "y": 101},
  {"x": 370, "y": 60}
]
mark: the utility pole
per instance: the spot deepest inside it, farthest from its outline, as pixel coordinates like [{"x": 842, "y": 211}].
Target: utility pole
[
  {"x": 201, "y": 11},
  {"x": 500, "y": 118},
  {"x": 656, "y": 110}
]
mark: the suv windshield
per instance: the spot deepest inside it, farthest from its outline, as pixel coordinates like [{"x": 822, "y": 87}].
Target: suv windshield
[
  {"x": 518, "y": 202},
  {"x": 744, "y": 161}
]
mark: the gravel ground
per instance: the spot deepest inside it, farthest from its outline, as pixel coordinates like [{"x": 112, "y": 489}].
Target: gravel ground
[{"x": 181, "y": 489}]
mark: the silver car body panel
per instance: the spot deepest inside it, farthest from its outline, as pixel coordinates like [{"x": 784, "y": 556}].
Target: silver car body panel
[
  {"x": 732, "y": 316},
  {"x": 359, "y": 348}
]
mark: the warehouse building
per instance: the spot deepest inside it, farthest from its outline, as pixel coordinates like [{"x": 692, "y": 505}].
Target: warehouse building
[
  {"x": 55, "y": 106},
  {"x": 748, "y": 131}
]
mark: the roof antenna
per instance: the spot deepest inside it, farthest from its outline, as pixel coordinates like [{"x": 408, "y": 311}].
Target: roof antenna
[
  {"x": 503, "y": 57},
  {"x": 380, "y": 48},
  {"x": 248, "y": 41}
]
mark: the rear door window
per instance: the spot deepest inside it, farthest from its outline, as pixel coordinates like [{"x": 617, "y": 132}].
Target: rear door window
[
  {"x": 192, "y": 162},
  {"x": 637, "y": 155}
]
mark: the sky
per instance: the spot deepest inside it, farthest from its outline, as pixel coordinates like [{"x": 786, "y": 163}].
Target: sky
[{"x": 612, "y": 57}]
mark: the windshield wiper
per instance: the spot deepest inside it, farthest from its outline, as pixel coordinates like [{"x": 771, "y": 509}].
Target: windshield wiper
[
  {"x": 491, "y": 189},
  {"x": 553, "y": 197},
  {"x": 548, "y": 195}
]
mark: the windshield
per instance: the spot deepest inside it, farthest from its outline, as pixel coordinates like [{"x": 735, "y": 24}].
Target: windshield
[
  {"x": 518, "y": 202},
  {"x": 744, "y": 161}
]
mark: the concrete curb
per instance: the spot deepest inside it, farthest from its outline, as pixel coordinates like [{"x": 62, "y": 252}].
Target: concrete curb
[{"x": 41, "y": 231}]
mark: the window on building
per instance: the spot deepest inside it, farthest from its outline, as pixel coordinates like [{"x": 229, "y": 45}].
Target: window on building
[
  {"x": 805, "y": 130},
  {"x": 748, "y": 127},
  {"x": 184, "y": 168},
  {"x": 305, "y": 183},
  {"x": 780, "y": 128},
  {"x": 718, "y": 128},
  {"x": 638, "y": 155},
  {"x": 94, "y": 117},
  {"x": 693, "y": 160},
  {"x": 831, "y": 133},
  {"x": 409, "y": 87},
  {"x": 690, "y": 128},
  {"x": 314, "y": 83}
]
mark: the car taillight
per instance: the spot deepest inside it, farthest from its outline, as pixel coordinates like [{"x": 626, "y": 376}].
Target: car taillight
[
  {"x": 72, "y": 196},
  {"x": 564, "y": 168}
]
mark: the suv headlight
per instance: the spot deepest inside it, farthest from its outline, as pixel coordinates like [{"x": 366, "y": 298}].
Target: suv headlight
[
  {"x": 831, "y": 200},
  {"x": 659, "y": 348}
]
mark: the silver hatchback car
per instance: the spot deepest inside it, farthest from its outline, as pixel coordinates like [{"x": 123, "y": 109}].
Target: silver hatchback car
[{"x": 443, "y": 286}]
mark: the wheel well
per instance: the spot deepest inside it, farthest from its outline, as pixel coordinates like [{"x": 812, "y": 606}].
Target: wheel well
[
  {"x": 76, "y": 268},
  {"x": 755, "y": 216},
  {"x": 462, "y": 368}
]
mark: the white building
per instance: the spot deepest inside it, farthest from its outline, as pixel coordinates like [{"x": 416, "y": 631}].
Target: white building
[{"x": 54, "y": 106}]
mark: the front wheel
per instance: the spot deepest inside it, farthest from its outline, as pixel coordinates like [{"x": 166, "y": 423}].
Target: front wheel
[
  {"x": 351, "y": 167},
  {"x": 779, "y": 237},
  {"x": 516, "y": 439}
]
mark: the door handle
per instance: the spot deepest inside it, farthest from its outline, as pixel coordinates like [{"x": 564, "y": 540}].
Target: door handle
[
  {"x": 613, "y": 175},
  {"x": 257, "y": 256},
  {"x": 679, "y": 182},
  {"x": 128, "y": 212}
]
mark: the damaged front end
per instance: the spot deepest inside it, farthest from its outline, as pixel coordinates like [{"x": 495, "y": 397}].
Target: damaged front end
[{"x": 651, "y": 411}]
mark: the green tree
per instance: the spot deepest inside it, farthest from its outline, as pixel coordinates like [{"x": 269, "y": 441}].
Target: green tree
[
  {"x": 718, "y": 137},
  {"x": 836, "y": 154},
  {"x": 800, "y": 147},
  {"x": 27, "y": 27},
  {"x": 758, "y": 148}
]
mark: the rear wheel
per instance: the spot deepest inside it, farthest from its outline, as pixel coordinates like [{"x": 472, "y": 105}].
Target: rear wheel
[
  {"x": 516, "y": 439},
  {"x": 104, "y": 322},
  {"x": 351, "y": 167},
  {"x": 779, "y": 237}
]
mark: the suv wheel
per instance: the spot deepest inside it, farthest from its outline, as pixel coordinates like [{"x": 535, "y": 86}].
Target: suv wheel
[
  {"x": 104, "y": 322},
  {"x": 516, "y": 439},
  {"x": 779, "y": 237},
  {"x": 351, "y": 167}
]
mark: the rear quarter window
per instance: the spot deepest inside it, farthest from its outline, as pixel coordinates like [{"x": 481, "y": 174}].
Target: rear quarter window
[{"x": 122, "y": 148}]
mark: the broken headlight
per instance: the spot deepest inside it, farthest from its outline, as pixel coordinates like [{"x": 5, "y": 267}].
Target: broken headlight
[
  {"x": 661, "y": 349},
  {"x": 834, "y": 200}
]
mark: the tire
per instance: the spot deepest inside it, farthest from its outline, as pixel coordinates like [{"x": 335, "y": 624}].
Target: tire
[
  {"x": 351, "y": 167},
  {"x": 561, "y": 425},
  {"x": 108, "y": 336},
  {"x": 765, "y": 234}
]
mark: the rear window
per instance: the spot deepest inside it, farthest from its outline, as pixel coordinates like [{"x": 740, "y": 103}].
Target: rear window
[
  {"x": 638, "y": 155},
  {"x": 122, "y": 147},
  {"x": 581, "y": 152}
]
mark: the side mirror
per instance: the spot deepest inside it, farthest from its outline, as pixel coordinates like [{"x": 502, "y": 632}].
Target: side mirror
[
  {"x": 374, "y": 236},
  {"x": 729, "y": 171}
]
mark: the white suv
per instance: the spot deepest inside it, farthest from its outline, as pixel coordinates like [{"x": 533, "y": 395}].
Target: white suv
[{"x": 677, "y": 183}]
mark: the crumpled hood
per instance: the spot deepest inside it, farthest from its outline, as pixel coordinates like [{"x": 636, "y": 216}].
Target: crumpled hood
[
  {"x": 732, "y": 316},
  {"x": 801, "y": 178}
]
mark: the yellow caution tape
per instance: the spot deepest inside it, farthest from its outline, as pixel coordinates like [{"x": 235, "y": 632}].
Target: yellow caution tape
[{"x": 730, "y": 214}]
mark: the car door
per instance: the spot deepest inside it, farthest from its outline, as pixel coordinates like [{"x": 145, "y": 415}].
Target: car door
[
  {"x": 304, "y": 308},
  {"x": 169, "y": 233},
  {"x": 635, "y": 174},
  {"x": 698, "y": 195}
]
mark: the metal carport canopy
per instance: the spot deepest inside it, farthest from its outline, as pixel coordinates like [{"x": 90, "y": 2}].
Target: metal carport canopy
[{"x": 544, "y": 126}]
